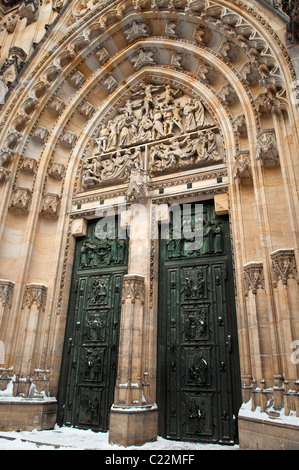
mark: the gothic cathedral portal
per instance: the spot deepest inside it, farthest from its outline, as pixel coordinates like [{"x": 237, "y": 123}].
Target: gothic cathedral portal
[{"x": 198, "y": 349}]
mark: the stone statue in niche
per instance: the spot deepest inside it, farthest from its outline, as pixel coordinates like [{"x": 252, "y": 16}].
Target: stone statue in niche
[{"x": 154, "y": 112}]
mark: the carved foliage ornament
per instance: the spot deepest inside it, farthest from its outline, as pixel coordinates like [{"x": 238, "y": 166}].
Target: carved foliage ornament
[
  {"x": 133, "y": 288},
  {"x": 266, "y": 150},
  {"x": 283, "y": 266},
  {"x": 6, "y": 292},
  {"x": 242, "y": 169},
  {"x": 253, "y": 277},
  {"x": 35, "y": 294}
]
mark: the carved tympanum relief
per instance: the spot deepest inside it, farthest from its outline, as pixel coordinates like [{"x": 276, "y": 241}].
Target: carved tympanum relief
[{"x": 159, "y": 129}]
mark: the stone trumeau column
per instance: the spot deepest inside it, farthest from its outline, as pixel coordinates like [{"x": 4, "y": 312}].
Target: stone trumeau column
[{"x": 133, "y": 416}]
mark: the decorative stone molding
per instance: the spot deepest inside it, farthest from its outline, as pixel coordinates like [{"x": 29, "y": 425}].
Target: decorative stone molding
[
  {"x": 56, "y": 106},
  {"x": 176, "y": 61},
  {"x": 28, "y": 165},
  {"x": 109, "y": 83},
  {"x": 50, "y": 206},
  {"x": 266, "y": 150},
  {"x": 228, "y": 94},
  {"x": 135, "y": 31},
  {"x": 253, "y": 277},
  {"x": 133, "y": 288},
  {"x": 240, "y": 125},
  {"x": 10, "y": 22},
  {"x": 6, "y": 292},
  {"x": 229, "y": 50},
  {"x": 57, "y": 170},
  {"x": 86, "y": 109},
  {"x": 170, "y": 29},
  {"x": 283, "y": 266},
  {"x": 5, "y": 155},
  {"x": 202, "y": 35},
  {"x": 68, "y": 139},
  {"x": 29, "y": 10},
  {"x": 102, "y": 55},
  {"x": 142, "y": 58},
  {"x": 250, "y": 74},
  {"x": 20, "y": 201},
  {"x": 4, "y": 175},
  {"x": 40, "y": 134},
  {"x": 206, "y": 72},
  {"x": 35, "y": 294},
  {"x": 77, "y": 79},
  {"x": 242, "y": 169}
]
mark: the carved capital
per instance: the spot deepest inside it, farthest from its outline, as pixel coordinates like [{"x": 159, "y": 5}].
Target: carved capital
[
  {"x": 283, "y": 266},
  {"x": 242, "y": 168},
  {"x": 6, "y": 292},
  {"x": 20, "y": 201},
  {"x": 133, "y": 288},
  {"x": 266, "y": 150},
  {"x": 253, "y": 277},
  {"x": 35, "y": 294}
]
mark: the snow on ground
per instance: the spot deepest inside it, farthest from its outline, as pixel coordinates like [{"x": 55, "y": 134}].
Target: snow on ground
[{"x": 67, "y": 438}]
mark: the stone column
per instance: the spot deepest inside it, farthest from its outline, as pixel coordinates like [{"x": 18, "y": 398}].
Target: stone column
[
  {"x": 6, "y": 295},
  {"x": 286, "y": 295},
  {"x": 33, "y": 306},
  {"x": 133, "y": 416}
]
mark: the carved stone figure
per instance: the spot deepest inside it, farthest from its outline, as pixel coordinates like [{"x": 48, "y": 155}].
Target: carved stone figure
[
  {"x": 137, "y": 189},
  {"x": 102, "y": 140},
  {"x": 194, "y": 113}
]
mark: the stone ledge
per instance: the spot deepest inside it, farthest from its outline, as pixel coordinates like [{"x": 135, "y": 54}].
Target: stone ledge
[
  {"x": 256, "y": 434},
  {"x": 22, "y": 415}
]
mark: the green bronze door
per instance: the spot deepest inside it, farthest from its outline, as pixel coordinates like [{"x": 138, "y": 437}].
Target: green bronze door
[
  {"x": 198, "y": 379},
  {"x": 89, "y": 363}
]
